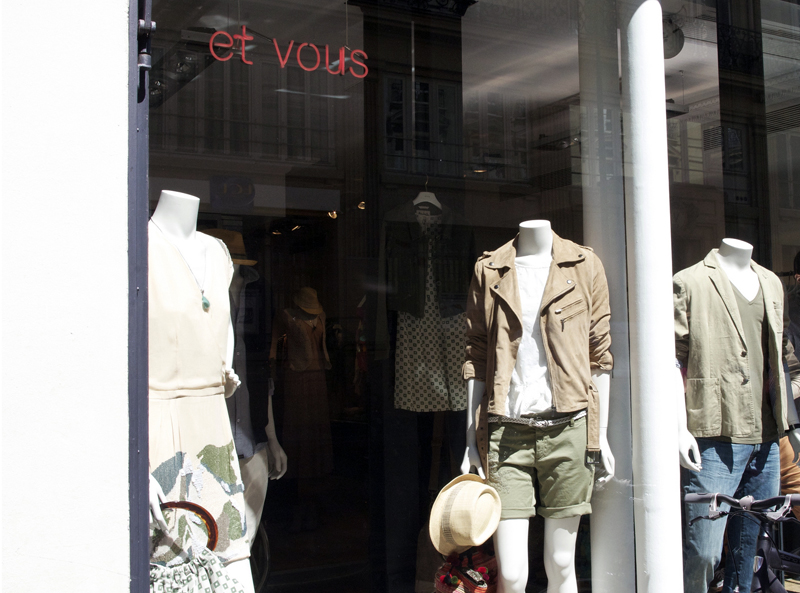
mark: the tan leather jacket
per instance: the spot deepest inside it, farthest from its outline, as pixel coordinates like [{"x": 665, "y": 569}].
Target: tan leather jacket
[{"x": 574, "y": 322}]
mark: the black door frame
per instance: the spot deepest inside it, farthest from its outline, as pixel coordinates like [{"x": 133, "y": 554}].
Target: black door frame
[{"x": 138, "y": 467}]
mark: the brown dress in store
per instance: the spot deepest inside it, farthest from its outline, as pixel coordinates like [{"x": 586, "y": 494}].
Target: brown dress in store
[{"x": 306, "y": 421}]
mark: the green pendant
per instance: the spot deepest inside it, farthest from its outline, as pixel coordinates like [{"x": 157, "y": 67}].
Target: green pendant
[{"x": 206, "y": 304}]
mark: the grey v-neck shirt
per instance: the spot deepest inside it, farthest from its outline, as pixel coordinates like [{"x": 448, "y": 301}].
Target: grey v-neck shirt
[{"x": 753, "y": 315}]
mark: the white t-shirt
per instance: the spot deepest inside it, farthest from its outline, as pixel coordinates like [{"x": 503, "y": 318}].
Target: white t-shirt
[{"x": 530, "y": 391}]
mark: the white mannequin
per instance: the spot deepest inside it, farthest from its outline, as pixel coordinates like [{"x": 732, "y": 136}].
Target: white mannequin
[
  {"x": 176, "y": 217},
  {"x": 429, "y": 197},
  {"x": 734, "y": 259},
  {"x": 278, "y": 454},
  {"x": 534, "y": 247}
]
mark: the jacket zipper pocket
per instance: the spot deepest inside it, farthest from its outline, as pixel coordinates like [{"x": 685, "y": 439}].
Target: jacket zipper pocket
[{"x": 568, "y": 317}]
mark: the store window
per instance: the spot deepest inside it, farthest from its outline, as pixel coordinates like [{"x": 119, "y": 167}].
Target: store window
[{"x": 357, "y": 158}]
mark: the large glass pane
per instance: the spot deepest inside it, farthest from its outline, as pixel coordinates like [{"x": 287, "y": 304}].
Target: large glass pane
[{"x": 361, "y": 156}]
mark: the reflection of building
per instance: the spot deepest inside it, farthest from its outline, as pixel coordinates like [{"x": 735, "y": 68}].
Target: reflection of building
[{"x": 493, "y": 119}]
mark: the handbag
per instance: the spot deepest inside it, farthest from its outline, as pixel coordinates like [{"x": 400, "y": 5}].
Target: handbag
[
  {"x": 201, "y": 573},
  {"x": 473, "y": 571}
]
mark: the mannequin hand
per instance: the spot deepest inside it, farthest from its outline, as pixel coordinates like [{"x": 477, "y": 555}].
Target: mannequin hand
[
  {"x": 279, "y": 456},
  {"x": 232, "y": 382},
  {"x": 271, "y": 387},
  {"x": 472, "y": 458},
  {"x": 794, "y": 439},
  {"x": 156, "y": 498},
  {"x": 607, "y": 457},
  {"x": 686, "y": 445}
]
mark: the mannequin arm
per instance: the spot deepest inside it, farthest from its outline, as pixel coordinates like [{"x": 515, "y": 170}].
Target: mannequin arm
[
  {"x": 278, "y": 454},
  {"x": 794, "y": 433},
  {"x": 602, "y": 380},
  {"x": 229, "y": 349},
  {"x": 794, "y": 374},
  {"x": 472, "y": 458},
  {"x": 232, "y": 380},
  {"x": 156, "y": 498},
  {"x": 790, "y": 375},
  {"x": 686, "y": 442}
]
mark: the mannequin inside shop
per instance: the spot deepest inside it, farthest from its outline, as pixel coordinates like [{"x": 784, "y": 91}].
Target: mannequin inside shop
[
  {"x": 175, "y": 217},
  {"x": 534, "y": 250},
  {"x": 734, "y": 258},
  {"x": 734, "y": 405}
]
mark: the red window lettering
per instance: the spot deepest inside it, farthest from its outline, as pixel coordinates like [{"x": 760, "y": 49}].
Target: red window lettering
[
  {"x": 281, "y": 59},
  {"x": 299, "y": 49},
  {"x": 244, "y": 37},
  {"x": 340, "y": 68},
  {"x": 226, "y": 44},
  {"x": 362, "y": 64}
]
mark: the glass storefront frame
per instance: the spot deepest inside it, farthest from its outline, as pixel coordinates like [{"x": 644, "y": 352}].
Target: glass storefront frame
[{"x": 646, "y": 237}]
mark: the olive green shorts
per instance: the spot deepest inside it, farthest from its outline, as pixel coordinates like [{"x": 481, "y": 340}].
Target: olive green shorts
[{"x": 540, "y": 470}]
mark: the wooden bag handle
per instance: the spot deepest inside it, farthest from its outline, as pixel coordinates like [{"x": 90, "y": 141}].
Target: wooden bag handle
[{"x": 205, "y": 517}]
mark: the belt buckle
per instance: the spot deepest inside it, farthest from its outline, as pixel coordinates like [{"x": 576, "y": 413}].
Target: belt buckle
[{"x": 593, "y": 458}]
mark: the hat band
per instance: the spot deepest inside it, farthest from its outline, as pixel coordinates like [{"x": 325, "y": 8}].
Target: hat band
[{"x": 448, "y": 507}]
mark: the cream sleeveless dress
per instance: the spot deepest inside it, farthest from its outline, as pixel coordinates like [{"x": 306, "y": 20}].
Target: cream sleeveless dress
[{"x": 192, "y": 454}]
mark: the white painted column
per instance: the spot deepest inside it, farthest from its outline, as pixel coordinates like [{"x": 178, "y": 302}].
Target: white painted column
[
  {"x": 657, "y": 512},
  {"x": 613, "y": 566}
]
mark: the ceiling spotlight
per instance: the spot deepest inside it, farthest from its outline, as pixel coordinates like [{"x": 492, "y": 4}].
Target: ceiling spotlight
[
  {"x": 333, "y": 214},
  {"x": 276, "y": 232},
  {"x": 294, "y": 228},
  {"x": 362, "y": 205}
]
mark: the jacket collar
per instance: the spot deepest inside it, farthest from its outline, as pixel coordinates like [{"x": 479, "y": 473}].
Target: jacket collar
[
  {"x": 725, "y": 290},
  {"x": 502, "y": 260},
  {"x": 564, "y": 252}
]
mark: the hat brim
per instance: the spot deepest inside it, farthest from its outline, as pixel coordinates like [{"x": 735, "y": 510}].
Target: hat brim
[
  {"x": 438, "y": 539},
  {"x": 244, "y": 262},
  {"x": 310, "y": 310}
]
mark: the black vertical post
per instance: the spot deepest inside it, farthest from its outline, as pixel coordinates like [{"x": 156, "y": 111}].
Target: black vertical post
[
  {"x": 744, "y": 131},
  {"x": 138, "y": 472}
]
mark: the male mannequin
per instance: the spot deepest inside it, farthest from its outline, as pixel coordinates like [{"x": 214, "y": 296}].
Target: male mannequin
[
  {"x": 535, "y": 248},
  {"x": 251, "y": 446},
  {"x": 728, "y": 322},
  {"x": 175, "y": 219}
]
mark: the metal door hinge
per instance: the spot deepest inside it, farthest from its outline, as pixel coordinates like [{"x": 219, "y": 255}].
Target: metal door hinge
[{"x": 145, "y": 30}]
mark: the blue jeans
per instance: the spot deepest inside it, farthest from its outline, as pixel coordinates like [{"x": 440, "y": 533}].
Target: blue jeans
[{"x": 736, "y": 470}]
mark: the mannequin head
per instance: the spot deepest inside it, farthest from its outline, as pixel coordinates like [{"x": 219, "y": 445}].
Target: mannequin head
[
  {"x": 535, "y": 238},
  {"x": 535, "y": 224},
  {"x": 735, "y": 253},
  {"x": 176, "y": 215},
  {"x": 735, "y": 244}
]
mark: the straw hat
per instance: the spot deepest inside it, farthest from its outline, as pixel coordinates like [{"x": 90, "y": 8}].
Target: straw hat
[
  {"x": 465, "y": 514},
  {"x": 235, "y": 243},
  {"x": 306, "y": 299}
]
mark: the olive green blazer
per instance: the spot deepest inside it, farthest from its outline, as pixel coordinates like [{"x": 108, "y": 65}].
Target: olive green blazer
[{"x": 710, "y": 344}]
